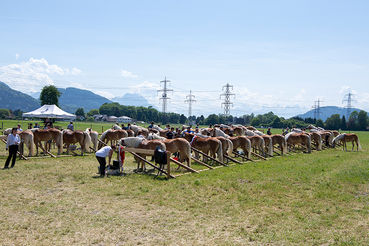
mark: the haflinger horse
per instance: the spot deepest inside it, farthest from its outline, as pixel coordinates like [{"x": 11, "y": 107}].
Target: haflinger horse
[
  {"x": 176, "y": 145},
  {"x": 141, "y": 143},
  {"x": 243, "y": 143},
  {"x": 281, "y": 141},
  {"x": 303, "y": 139},
  {"x": 47, "y": 135},
  {"x": 257, "y": 143},
  {"x": 112, "y": 135},
  {"x": 347, "y": 137},
  {"x": 206, "y": 145},
  {"x": 28, "y": 140},
  {"x": 72, "y": 137}
]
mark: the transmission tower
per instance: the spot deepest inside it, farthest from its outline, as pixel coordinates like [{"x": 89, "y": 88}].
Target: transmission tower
[
  {"x": 164, "y": 96},
  {"x": 348, "y": 98},
  {"x": 190, "y": 99},
  {"x": 227, "y": 98},
  {"x": 316, "y": 108}
]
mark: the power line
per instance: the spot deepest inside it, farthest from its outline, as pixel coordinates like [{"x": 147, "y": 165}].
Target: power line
[
  {"x": 227, "y": 98},
  {"x": 164, "y": 96},
  {"x": 190, "y": 99},
  {"x": 349, "y": 99}
]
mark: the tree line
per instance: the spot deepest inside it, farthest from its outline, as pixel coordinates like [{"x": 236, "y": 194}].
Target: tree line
[{"x": 50, "y": 95}]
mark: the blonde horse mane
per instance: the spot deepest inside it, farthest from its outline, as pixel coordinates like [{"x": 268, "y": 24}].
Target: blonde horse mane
[
  {"x": 133, "y": 142},
  {"x": 153, "y": 136}
]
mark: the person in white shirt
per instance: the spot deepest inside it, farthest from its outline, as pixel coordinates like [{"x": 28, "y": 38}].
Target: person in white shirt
[
  {"x": 101, "y": 155},
  {"x": 12, "y": 145}
]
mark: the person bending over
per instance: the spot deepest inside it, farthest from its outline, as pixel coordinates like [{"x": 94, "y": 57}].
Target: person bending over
[{"x": 101, "y": 155}]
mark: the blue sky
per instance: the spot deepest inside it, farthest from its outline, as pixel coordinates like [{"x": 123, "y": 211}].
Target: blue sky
[{"x": 280, "y": 56}]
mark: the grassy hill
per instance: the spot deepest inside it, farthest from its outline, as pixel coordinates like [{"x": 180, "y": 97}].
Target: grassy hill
[{"x": 13, "y": 99}]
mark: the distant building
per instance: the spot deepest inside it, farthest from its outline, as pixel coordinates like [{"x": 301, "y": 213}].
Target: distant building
[
  {"x": 124, "y": 119},
  {"x": 112, "y": 119}
]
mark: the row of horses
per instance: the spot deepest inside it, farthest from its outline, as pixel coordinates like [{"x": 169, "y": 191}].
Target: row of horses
[
  {"x": 222, "y": 140},
  {"x": 214, "y": 141}
]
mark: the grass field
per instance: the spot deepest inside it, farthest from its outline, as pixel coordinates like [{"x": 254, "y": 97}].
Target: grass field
[{"x": 301, "y": 199}]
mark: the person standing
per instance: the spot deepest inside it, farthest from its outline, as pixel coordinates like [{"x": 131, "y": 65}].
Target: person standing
[
  {"x": 70, "y": 126},
  {"x": 12, "y": 145},
  {"x": 19, "y": 128},
  {"x": 101, "y": 155}
]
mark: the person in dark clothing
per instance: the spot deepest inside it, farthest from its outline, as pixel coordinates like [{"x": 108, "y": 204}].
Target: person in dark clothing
[
  {"x": 12, "y": 143},
  {"x": 269, "y": 132},
  {"x": 170, "y": 133}
]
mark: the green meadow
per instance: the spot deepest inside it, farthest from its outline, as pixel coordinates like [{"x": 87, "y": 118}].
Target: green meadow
[{"x": 297, "y": 199}]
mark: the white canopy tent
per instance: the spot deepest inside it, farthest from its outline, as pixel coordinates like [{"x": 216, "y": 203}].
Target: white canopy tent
[{"x": 49, "y": 111}]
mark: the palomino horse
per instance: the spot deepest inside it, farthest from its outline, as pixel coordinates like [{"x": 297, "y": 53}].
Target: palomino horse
[
  {"x": 94, "y": 138},
  {"x": 316, "y": 138},
  {"x": 347, "y": 137},
  {"x": 141, "y": 143},
  {"x": 28, "y": 140},
  {"x": 279, "y": 139},
  {"x": 47, "y": 135},
  {"x": 303, "y": 139},
  {"x": 112, "y": 135},
  {"x": 175, "y": 145},
  {"x": 243, "y": 143},
  {"x": 206, "y": 145},
  {"x": 72, "y": 137},
  {"x": 257, "y": 142}
]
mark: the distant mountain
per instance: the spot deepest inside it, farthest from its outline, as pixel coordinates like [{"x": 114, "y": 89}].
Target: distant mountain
[
  {"x": 132, "y": 99},
  {"x": 13, "y": 99},
  {"x": 327, "y": 111},
  {"x": 35, "y": 95},
  {"x": 72, "y": 98}
]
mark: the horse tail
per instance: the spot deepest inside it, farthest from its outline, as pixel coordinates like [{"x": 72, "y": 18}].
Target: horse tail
[
  {"x": 248, "y": 148},
  {"x": 220, "y": 151},
  {"x": 270, "y": 148},
  {"x": 30, "y": 144},
  {"x": 320, "y": 141},
  {"x": 230, "y": 147},
  {"x": 284, "y": 146},
  {"x": 187, "y": 150},
  {"x": 59, "y": 142},
  {"x": 262, "y": 145},
  {"x": 86, "y": 141},
  {"x": 309, "y": 143}
]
